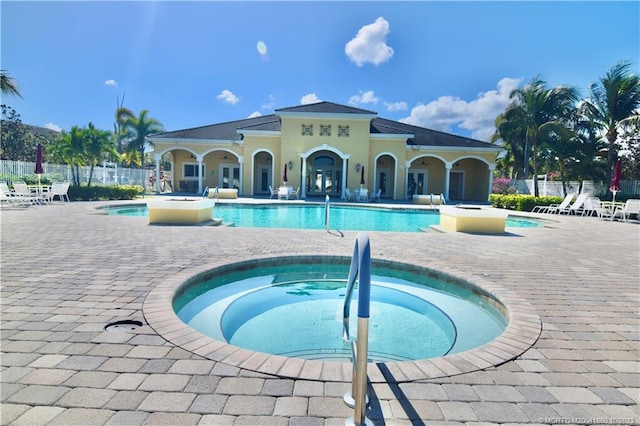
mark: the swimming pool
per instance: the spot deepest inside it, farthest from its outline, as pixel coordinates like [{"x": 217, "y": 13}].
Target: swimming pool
[
  {"x": 295, "y": 310},
  {"x": 312, "y": 216}
]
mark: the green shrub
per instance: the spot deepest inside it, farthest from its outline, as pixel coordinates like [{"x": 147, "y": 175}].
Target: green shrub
[
  {"x": 104, "y": 193},
  {"x": 523, "y": 203}
]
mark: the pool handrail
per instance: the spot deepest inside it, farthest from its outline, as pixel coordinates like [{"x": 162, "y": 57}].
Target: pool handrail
[{"x": 359, "y": 270}]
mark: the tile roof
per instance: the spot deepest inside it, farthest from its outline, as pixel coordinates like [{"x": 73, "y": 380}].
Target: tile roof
[
  {"x": 229, "y": 130},
  {"x": 326, "y": 107}
]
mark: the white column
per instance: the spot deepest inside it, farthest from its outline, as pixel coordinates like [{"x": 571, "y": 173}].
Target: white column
[
  {"x": 492, "y": 167},
  {"x": 447, "y": 177},
  {"x": 303, "y": 195},
  {"x": 343, "y": 192},
  {"x": 157, "y": 157},
  {"x": 199, "y": 159},
  {"x": 241, "y": 181}
]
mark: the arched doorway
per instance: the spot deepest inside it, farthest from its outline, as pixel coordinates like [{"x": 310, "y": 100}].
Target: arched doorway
[{"x": 324, "y": 175}]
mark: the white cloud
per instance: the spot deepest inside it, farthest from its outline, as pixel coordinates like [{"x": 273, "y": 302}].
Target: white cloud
[
  {"x": 228, "y": 97},
  {"x": 364, "y": 98},
  {"x": 310, "y": 98},
  {"x": 477, "y": 116},
  {"x": 255, "y": 114},
  {"x": 271, "y": 104},
  {"x": 369, "y": 45},
  {"x": 112, "y": 83},
  {"x": 396, "y": 106},
  {"x": 52, "y": 126}
]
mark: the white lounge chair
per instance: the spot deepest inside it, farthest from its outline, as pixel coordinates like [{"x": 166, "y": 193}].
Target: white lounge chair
[
  {"x": 631, "y": 206},
  {"x": 23, "y": 190},
  {"x": 577, "y": 206},
  {"x": 554, "y": 208},
  {"x": 375, "y": 196},
  {"x": 11, "y": 199},
  {"x": 594, "y": 207},
  {"x": 274, "y": 193}
]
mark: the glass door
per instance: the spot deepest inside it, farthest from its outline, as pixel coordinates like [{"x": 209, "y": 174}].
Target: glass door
[
  {"x": 264, "y": 179},
  {"x": 229, "y": 176},
  {"x": 383, "y": 182},
  {"x": 417, "y": 182}
]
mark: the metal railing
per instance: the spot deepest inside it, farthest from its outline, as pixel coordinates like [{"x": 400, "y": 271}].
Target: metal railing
[{"x": 359, "y": 270}]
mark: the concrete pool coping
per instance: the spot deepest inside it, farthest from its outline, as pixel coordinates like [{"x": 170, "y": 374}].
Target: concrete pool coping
[{"x": 522, "y": 331}]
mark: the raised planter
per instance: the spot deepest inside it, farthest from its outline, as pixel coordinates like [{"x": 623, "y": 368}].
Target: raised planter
[
  {"x": 180, "y": 211},
  {"x": 225, "y": 193},
  {"x": 474, "y": 219},
  {"x": 428, "y": 199}
]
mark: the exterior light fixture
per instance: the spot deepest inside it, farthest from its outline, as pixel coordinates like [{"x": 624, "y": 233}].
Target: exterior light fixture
[
  {"x": 290, "y": 165},
  {"x": 358, "y": 166}
]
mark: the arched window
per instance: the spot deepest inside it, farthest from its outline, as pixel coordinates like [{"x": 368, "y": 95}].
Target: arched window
[{"x": 324, "y": 160}]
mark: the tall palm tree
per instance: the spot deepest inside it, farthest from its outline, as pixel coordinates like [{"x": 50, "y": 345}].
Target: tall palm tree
[
  {"x": 8, "y": 85},
  {"x": 614, "y": 103},
  {"x": 542, "y": 112},
  {"x": 97, "y": 143},
  {"x": 137, "y": 129}
]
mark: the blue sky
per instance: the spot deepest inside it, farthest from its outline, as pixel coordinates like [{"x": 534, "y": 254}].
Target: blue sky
[{"x": 446, "y": 65}]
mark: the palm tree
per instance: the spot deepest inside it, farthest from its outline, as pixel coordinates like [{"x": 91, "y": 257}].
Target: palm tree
[
  {"x": 542, "y": 112},
  {"x": 510, "y": 129},
  {"x": 8, "y": 85},
  {"x": 137, "y": 129},
  {"x": 613, "y": 104},
  {"x": 97, "y": 143}
]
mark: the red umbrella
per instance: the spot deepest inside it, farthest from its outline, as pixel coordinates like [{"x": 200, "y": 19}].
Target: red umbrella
[
  {"x": 362, "y": 175},
  {"x": 39, "y": 169},
  {"x": 284, "y": 176},
  {"x": 615, "y": 182}
]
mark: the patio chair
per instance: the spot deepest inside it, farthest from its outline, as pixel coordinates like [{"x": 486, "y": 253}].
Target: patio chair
[
  {"x": 294, "y": 194},
  {"x": 348, "y": 195},
  {"x": 375, "y": 196},
  {"x": 553, "y": 208},
  {"x": 274, "y": 193},
  {"x": 631, "y": 206},
  {"x": 59, "y": 189}
]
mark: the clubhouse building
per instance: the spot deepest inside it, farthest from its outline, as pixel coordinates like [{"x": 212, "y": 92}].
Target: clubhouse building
[{"x": 323, "y": 149}]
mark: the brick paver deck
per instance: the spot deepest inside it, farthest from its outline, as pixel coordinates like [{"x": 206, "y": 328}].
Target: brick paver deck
[{"x": 68, "y": 271}]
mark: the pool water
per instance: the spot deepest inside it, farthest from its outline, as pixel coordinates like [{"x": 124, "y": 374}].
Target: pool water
[
  {"x": 312, "y": 216},
  {"x": 296, "y": 311}
]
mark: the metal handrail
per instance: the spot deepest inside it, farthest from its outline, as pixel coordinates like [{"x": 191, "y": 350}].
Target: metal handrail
[{"x": 359, "y": 270}]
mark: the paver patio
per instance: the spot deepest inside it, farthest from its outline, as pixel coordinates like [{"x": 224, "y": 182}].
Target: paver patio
[{"x": 68, "y": 271}]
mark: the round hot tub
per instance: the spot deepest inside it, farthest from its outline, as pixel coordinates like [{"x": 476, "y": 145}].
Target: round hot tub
[{"x": 252, "y": 314}]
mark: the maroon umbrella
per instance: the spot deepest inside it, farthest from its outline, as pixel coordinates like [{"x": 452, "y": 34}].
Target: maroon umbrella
[
  {"x": 615, "y": 182},
  {"x": 362, "y": 175},
  {"x": 284, "y": 176},
  {"x": 39, "y": 169}
]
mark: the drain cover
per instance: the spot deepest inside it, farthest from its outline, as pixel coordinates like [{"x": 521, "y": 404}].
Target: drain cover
[{"x": 126, "y": 326}]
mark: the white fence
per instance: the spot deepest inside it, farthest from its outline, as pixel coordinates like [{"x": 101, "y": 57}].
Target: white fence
[
  {"x": 554, "y": 188},
  {"x": 106, "y": 174}
]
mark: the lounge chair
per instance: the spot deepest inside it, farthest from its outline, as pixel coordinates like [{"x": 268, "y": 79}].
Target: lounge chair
[
  {"x": 554, "y": 208},
  {"x": 23, "y": 190},
  {"x": 375, "y": 196},
  {"x": 577, "y": 205},
  {"x": 631, "y": 206},
  {"x": 274, "y": 192},
  {"x": 11, "y": 199},
  {"x": 593, "y": 206}
]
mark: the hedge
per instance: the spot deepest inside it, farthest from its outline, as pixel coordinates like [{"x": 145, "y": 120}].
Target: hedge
[
  {"x": 104, "y": 193},
  {"x": 524, "y": 203}
]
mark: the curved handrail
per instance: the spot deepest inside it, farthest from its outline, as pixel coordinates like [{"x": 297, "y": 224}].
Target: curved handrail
[{"x": 359, "y": 270}]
